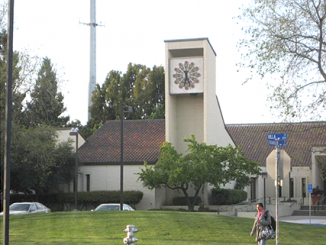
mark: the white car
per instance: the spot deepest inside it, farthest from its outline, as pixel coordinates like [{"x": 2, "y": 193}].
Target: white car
[
  {"x": 113, "y": 206},
  {"x": 27, "y": 208}
]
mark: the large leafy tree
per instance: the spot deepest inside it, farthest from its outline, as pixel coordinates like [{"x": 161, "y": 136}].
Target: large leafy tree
[
  {"x": 39, "y": 163},
  {"x": 46, "y": 105},
  {"x": 285, "y": 39},
  {"x": 140, "y": 88},
  {"x": 203, "y": 164}
]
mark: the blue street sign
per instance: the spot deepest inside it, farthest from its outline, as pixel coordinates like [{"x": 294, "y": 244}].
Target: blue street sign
[
  {"x": 277, "y": 137},
  {"x": 309, "y": 188},
  {"x": 277, "y": 142}
]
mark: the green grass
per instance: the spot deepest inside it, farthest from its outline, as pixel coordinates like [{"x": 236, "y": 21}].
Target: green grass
[{"x": 155, "y": 227}]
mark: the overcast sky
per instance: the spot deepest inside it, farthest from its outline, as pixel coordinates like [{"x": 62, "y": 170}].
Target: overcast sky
[{"x": 134, "y": 31}]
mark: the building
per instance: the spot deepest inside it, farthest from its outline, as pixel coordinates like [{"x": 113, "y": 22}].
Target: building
[
  {"x": 305, "y": 145},
  {"x": 63, "y": 136},
  {"x": 193, "y": 108}
]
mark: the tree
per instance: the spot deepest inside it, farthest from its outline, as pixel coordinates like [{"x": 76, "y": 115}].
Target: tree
[
  {"x": 286, "y": 38},
  {"x": 46, "y": 103},
  {"x": 38, "y": 162},
  {"x": 203, "y": 164},
  {"x": 24, "y": 67},
  {"x": 105, "y": 99},
  {"x": 18, "y": 95},
  {"x": 140, "y": 87}
]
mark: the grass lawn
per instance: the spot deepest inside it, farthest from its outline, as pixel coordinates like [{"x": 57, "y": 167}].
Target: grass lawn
[{"x": 155, "y": 227}]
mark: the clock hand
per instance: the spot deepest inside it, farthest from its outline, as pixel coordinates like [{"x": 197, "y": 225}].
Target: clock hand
[{"x": 186, "y": 77}]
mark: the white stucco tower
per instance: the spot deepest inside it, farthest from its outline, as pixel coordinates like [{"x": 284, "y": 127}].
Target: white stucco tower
[{"x": 192, "y": 106}]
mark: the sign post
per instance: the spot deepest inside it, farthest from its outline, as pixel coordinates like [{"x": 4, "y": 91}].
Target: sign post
[
  {"x": 309, "y": 191},
  {"x": 277, "y": 140}
]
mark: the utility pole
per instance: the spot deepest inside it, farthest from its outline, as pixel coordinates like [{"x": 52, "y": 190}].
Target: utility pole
[{"x": 7, "y": 152}]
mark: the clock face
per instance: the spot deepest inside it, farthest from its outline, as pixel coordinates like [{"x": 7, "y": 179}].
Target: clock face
[{"x": 186, "y": 75}]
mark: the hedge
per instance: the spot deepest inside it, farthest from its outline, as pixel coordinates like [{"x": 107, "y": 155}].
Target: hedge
[
  {"x": 181, "y": 201},
  {"x": 227, "y": 196},
  {"x": 97, "y": 197},
  {"x": 84, "y": 198}
]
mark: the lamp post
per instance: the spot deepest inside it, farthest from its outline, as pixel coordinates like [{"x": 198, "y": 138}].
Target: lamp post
[
  {"x": 264, "y": 176},
  {"x": 8, "y": 108},
  {"x": 129, "y": 109},
  {"x": 121, "y": 156},
  {"x": 74, "y": 132}
]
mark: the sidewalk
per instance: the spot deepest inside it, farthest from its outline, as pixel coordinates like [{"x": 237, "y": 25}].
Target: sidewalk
[{"x": 315, "y": 220}]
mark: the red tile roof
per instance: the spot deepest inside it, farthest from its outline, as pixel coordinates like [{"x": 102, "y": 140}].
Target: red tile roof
[
  {"x": 143, "y": 139},
  {"x": 142, "y": 142},
  {"x": 252, "y": 138}
]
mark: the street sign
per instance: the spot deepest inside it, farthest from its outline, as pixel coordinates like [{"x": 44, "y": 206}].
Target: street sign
[
  {"x": 277, "y": 139},
  {"x": 309, "y": 188},
  {"x": 277, "y": 142}
]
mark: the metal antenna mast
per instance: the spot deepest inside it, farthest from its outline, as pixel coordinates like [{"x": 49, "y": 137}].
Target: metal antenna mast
[{"x": 92, "y": 76}]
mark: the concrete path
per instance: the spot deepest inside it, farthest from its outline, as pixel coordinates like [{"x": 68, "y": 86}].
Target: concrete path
[{"x": 315, "y": 220}]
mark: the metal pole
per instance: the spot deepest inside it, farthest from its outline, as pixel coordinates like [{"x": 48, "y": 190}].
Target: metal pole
[
  {"x": 7, "y": 152},
  {"x": 92, "y": 78},
  {"x": 277, "y": 193},
  {"x": 264, "y": 193},
  {"x": 121, "y": 157},
  {"x": 76, "y": 173},
  {"x": 309, "y": 196}
]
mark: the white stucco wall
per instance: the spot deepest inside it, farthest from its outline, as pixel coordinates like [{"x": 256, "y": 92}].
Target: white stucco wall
[
  {"x": 189, "y": 119},
  {"x": 214, "y": 128},
  {"x": 194, "y": 114},
  {"x": 107, "y": 178},
  {"x": 299, "y": 173},
  {"x": 63, "y": 135},
  {"x": 183, "y": 112},
  {"x": 316, "y": 177}
]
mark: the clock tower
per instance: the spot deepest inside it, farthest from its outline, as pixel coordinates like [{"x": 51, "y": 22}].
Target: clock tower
[{"x": 191, "y": 104}]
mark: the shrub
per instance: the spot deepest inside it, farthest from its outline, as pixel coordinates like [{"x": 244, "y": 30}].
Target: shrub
[
  {"x": 84, "y": 198},
  {"x": 227, "y": 196},
  {"x": 98, "y": 197},
  {"x": 181, "y": 201}
]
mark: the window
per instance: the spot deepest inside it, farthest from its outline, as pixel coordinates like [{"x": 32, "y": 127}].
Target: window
[
  {"x": 88, "y": 182},
  {"x": 279, "y": 191},
  {"x": 74, "y": 185},
  {"x": 39, "y": 206},
  {"x": 253, "y": 189},
  {"x": 304, "y": 186},
  {"x": 291, "y": 188},
  {"x": 32, "y": 208}
]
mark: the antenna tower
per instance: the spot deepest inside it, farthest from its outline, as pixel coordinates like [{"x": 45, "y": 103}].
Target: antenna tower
[{"x": 92, "y": 70}]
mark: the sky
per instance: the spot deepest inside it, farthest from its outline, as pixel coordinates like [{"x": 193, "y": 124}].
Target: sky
[{"x": 134, "y": 31}]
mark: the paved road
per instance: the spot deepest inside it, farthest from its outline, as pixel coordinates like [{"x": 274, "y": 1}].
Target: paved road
[{"x": 315, "y": 220}]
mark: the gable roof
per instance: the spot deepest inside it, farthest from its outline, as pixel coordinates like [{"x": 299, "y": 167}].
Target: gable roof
[
  {"x": 143, "y": 139},
  {"x": 142, "y": 142},
  {"x": 252, "y": 138}
]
